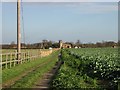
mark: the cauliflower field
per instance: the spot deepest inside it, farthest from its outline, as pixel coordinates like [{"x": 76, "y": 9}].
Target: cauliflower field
[{"x": 89, "y": 68}]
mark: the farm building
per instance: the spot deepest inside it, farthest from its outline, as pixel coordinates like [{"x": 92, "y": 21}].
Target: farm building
[
  {"x": 115, "y": 46},
  {"x": 64, "y": 45}
]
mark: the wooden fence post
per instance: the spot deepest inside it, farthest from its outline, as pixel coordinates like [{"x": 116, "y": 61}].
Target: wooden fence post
[
  {"x": 24, "y": 57},
  {"x": 1, "y": 60},
  {"x": 40, "y": 53},
  {"x": 6, "y": 60},
  {"x": 10, "y": 59},
  {"x": 21, "y": 58},
  {"x": 14, "y": 58},
  {"x": 28, "y": 58}
]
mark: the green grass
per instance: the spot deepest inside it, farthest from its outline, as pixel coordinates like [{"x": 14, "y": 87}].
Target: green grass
[
  {"x": 8, "y": 74},
  {"x": 29, "y": 80}
]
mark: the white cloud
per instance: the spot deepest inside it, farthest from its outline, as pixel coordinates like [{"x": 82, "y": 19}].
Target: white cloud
[
  {"x": 99, "y": 8},
  {"x": 94, "y": 7}
]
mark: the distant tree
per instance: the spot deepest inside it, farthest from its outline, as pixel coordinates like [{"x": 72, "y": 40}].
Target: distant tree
[
  {"x": 110, "y": 44},
  {"x": 119, "y": 43},
  {"x": 78, "y": 43},
  {"x": 98, "y": 44},
  {"x": 6, "y": 46},
  {"x": 55, "y": 45},
  {"x": 44, "y": 43},
  {"x": 12, "y": 45},
  {"x": 91, "y": 45},
  {"x": 41, "y": 46},
  {"x": 49, "y": 44},
  {"x": 28, "y": 46}
]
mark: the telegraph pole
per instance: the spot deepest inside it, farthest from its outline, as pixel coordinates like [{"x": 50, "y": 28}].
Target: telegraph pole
[{"x": 18, "y": 31}]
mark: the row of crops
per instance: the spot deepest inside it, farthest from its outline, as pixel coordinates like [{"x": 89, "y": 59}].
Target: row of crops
[{"x": 89, "y": 68}]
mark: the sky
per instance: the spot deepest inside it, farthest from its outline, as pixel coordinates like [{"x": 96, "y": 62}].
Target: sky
[
  {"x": 62, "y": 0},
  {"x": 84, "y": 21},
  {"x": 0, "y": 23}
]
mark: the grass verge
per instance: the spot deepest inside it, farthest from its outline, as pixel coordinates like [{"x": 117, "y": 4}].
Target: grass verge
[
  {"x": 9, "y": 74},
  {"x": 29, "y": 80}
]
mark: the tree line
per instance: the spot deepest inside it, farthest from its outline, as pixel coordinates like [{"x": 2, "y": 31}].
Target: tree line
[{"x": 45, "y": 44}]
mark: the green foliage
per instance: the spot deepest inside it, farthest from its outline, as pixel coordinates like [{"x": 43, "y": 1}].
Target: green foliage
[{"x": 88, "y": 68}]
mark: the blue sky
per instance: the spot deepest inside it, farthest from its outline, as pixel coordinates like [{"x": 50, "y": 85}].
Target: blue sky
[
  {"x": 0, "y": 23},
  {"x": 88, "y": 22}
]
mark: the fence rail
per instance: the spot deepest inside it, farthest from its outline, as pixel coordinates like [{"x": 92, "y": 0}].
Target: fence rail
[{"x": 10, "y": 59}]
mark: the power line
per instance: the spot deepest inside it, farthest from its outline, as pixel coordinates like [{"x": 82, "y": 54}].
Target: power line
[{"x": 23, "y": 22}]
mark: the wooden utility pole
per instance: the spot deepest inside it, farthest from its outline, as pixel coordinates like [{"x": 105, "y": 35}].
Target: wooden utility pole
[{"x": 18, "y": 31}]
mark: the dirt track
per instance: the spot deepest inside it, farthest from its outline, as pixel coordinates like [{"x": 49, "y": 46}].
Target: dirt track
[
  {"x": 44, "y": 83},
  {"x": 9, "y": 83}
]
